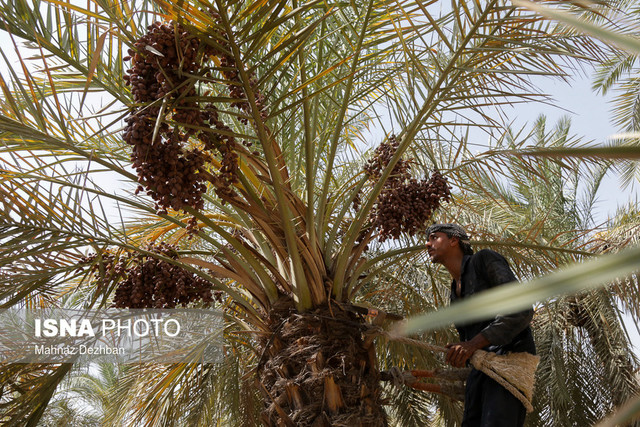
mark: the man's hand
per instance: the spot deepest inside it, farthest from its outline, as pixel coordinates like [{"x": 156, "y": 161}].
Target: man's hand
[{"x": 460, "y": 352}]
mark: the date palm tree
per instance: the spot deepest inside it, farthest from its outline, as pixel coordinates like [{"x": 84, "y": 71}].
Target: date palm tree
[{"x": 237, "y": 137}]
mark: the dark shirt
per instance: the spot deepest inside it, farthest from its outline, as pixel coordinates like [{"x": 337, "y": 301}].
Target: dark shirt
[{"x": 484, "y": 270}]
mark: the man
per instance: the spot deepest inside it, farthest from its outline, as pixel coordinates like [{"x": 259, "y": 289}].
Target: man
[{"x": 487, "y": 403}]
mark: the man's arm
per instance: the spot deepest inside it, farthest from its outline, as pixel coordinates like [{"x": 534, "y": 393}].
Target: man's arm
[
  {"x": 504, "y": 328},
  {"x": 460, "y": 352}
]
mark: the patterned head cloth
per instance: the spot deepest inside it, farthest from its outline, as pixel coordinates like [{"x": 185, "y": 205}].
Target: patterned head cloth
[{"x": 453, "y": 230}]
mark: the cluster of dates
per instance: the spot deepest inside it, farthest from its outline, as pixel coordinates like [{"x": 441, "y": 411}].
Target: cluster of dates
[
  {"x": 405, "y": 204},
  {"x": 173, "y": 135},
  {"x": 144, "y": 281}
]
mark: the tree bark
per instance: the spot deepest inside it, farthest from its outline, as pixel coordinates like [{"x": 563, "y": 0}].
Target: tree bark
[{"x": 316, "y": 370}]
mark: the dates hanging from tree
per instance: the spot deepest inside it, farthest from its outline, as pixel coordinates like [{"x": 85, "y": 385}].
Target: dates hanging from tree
[
  {"x": 174, "y": 135},
  {"x": 144, "y": 281},
  {"x": 405, "y": 204}
]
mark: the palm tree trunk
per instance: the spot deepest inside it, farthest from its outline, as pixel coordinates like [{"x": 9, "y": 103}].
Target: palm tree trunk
[{"x": 317, "y": 370}]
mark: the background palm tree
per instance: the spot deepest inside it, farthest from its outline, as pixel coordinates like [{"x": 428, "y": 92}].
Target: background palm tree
[
  {"x": 246, "y": 123},
  {"x": 84, "y": 397}
]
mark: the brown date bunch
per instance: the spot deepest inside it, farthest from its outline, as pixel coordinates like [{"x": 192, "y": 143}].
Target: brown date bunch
[
  {"x": 163, "y": 63},
  {"x": 149, "y": 282},
  {"x": 409, "y": 206},
  {"x": 405, "y": 204},
  {"x": 172, "y": 172}
]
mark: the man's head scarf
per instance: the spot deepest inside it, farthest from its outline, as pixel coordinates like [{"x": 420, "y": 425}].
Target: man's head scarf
[{"x": 453, "y": 230}]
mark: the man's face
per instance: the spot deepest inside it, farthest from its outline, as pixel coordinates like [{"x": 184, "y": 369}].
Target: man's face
[{"x": 440, "y": 246}]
